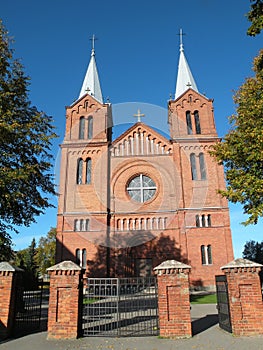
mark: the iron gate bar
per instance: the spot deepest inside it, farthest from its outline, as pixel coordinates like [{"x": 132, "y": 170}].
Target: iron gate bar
[
  {"x": 120, "y": 307},
  {"x": 28, "y": 311},
  {"x": 223, "y": 303}
]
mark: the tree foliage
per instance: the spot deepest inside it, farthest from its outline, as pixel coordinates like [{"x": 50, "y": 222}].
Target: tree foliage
[
  {"x": 45, "y": 256},
  {"x": 241, "y": 151},
  {"x": 255, "y": 16},
  {"x": 253, "y": 251},
  {"x": 26, "y": 260},
  {"x": 25, "y": 147}
]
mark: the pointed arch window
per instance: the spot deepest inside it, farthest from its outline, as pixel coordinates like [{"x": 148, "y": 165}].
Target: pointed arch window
[
  {"x": 202, "y": 166},
  {"x": 197, "y": 122},
  {"x": 193, "y": 166},
  {"x": 87, "y": 225},
  {"x": 78, "y": 256},
  {"x": 189, "y": 123},
  {"x": 79, "y": 171},
  {"x": 209, "y": 254},
  {"x": 88, "y": 171},
  {"x": 84, "y": 258},
  {"x": 206, "y": 254},
  {"x": 90, "y": 127},
  {"x": 81, "y": 128}
]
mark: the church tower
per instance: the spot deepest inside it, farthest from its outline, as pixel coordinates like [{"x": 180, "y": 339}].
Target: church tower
[
  {"x": 84, "y": 171},
  {"x": 204, "y": 214}
]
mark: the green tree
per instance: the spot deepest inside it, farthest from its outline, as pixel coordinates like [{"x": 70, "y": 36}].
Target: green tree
[
  {"x": 45, "y": 256},
  {"x": 255, "y": 16},
  {"x": 26, "y": 260},
  {"x": 253, "y": 251},
  {"x": 26, "y": 179},
  {"x": 241, "y": 151}
]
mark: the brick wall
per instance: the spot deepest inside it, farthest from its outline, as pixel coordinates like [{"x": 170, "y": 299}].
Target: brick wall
[
  {"x": 245, "y": 297},
  {"x": 10, "y": 277},
  {"x": 65, "y": 301},
  {"x": 173, "y": 299}
]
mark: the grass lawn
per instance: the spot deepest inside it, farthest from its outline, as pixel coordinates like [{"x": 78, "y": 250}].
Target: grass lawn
[{"x": 203, "y": 299}]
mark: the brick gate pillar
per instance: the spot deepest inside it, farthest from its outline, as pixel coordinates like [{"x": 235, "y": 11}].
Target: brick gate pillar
[
  {"x": 173, "y": 299},
  {"x": 66, "y": 290},
  {"x": 245, "y": 297},
  {"x": 10, "y": 278}
]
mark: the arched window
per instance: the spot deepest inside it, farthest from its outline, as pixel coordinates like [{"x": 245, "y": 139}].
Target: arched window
[
  {"x": 88, "y": 171},
  {"x": 79, "y": 171},
  {"x": 209, "y": 254},
  {"x": 209, "y": 220},
  {"x": 202, "y": 166},
  {"x": 197, "y": 123},
  {"x": 197, "y": 221},
  {"x": 203, "y": 221},
  {"x": 76, "y": 225},
  {"x": 78, "y": 256},
  {"x": 84, "y": 258},
  {"x": 193, "y": 166},
  {"x": 203, "y": 254},
  {"x": 189, "y": 123},
  {"x": 87, "y": 225},
  {"x": 81, "y": 127},
  {"x": 90, "y": 127},
  {"x": 81, "y": 224},
  {"x": 206, "y": 254}
]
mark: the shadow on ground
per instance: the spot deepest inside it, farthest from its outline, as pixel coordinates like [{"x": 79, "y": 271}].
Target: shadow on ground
[{"x": 202, "y": 324}]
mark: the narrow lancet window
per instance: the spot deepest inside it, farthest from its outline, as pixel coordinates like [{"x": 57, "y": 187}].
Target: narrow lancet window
[
  {"x": 193, "y": 166},
  {"x": 88, "y": 171},
  {"x": 189, "y": 123},
  {"x": 197, "y": 123},
  {"x": 202, "y": 166},
  {"x": 90, "y": 127},
  {"x": 81, "y": 128},
  {"x": 79, "y": 171}
]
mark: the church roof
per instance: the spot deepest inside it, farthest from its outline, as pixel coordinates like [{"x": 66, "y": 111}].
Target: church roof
[
  {"x": 91, "y": 82},
  {"x": 185, "y": 79}
]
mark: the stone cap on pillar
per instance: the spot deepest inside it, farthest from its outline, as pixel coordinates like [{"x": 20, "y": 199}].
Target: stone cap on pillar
[
  {"x": 6, "y": 266},
  {"x": 242, "y": 265},
  {"x": 66, "y": 265},
  {"x": 169, "y": 267}
]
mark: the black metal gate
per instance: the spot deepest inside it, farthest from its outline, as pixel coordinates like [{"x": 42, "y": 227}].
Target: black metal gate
[
  {"x": 120, "y": 307},
  {"x": 223, "y": 303},
  {"x": 30, "y": 315}
]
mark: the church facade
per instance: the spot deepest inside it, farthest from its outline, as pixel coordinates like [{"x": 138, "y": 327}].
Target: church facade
[{"x": 128, "y": 204}]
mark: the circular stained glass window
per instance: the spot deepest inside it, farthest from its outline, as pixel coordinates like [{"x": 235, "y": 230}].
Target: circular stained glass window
[{"x": 141, "y": 188}]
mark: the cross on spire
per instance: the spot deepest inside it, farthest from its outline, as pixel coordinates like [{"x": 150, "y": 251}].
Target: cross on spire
[
  {"x": 139, "y": 115},
  {"x": 93, "y": 43},
  {"x": 181, "y": 38}
]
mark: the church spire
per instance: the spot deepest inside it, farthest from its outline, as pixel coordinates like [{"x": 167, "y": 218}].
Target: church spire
[
  {"x": 91, "y": 82},
  {"x": 185, "y": 78}
]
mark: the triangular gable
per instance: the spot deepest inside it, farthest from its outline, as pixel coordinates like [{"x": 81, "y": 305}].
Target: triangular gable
[
  {"x": 86, "y": 99},
  {"x": 193, "y": 92},
  {"x": 140, "y": 140}
]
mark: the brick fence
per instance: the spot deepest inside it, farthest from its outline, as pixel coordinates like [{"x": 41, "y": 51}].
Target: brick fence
[
  {"x": 66, "y": 293},
  {"x": 245, "y": 297},
  {"x": 10, "y": 279}
]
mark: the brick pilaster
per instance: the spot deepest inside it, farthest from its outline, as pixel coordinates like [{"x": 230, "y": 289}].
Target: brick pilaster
[
  {"x": 9, "y": 278},
  {"x": 64, "y": 313},
  {"x": 173, "y": 299},
  {"x": 245, "y": 297}
]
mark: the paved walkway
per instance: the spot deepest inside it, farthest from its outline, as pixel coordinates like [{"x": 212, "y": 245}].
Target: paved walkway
[{"x": 207, "y": 335}]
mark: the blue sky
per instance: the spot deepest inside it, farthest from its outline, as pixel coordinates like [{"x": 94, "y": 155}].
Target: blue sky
[{"x": 137, "y": 57}]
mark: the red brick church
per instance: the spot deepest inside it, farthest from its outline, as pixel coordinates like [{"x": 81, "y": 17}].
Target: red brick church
[{"x": 128, "y": 204}]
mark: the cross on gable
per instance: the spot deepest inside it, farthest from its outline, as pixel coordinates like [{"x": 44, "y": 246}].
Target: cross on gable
[{"x": 139, "y": 115}]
